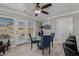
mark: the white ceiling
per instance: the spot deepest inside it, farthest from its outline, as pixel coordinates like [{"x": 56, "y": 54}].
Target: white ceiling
[{"x": 54, "y": 10}]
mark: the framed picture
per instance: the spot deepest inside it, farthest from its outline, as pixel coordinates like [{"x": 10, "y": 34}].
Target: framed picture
[{"x": 47, "y": 25}]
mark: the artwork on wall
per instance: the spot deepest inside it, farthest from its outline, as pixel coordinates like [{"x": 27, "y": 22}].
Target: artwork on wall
[{"x": 47, "y": 25}]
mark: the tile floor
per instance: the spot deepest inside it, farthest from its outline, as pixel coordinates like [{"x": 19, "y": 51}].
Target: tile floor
[{"x": 25, "y": 50}]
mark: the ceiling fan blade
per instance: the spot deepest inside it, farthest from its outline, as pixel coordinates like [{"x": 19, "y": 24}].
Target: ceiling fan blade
[
  {"x": 46, "y": 6},
  {"x": 44, "y": 12}
]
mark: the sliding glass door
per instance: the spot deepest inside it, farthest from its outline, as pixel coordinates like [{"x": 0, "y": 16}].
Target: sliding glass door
[{"x": 6, "y": 29}]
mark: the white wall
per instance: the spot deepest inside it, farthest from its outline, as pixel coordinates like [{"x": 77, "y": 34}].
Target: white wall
[
  {"x": 64, "y": 26},
  {"x": 76, "y": 28},
  {"x": 61, "y": 27}
]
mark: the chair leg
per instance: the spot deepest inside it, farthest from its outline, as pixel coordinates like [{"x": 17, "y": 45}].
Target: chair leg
[
  {"x": 52, "y": 44},
  {"x": 31, "y": 46},
  {"x": 3, "y": 50},
  {"x": 42, "y": 51},
  {"x": 7, "y": 47},
  {"x": 38, "y": 45},
  {"x": 49, "y": 50}
]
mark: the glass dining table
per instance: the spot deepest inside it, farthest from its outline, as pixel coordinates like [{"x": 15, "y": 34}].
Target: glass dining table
[{"x": 37, "y": 38}]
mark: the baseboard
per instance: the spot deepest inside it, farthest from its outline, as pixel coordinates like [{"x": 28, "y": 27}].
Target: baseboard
[
  {"x": 57, "y": 43},
  {"x": 21, "y": 43},
  {"x": 13, "y": 46}
]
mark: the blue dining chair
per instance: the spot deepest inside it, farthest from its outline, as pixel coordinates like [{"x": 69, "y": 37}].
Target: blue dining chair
[
  {"x": 33, "y": 41},
  {"x": 46, "y": 43},
  {"x": 52, "y": 37}
]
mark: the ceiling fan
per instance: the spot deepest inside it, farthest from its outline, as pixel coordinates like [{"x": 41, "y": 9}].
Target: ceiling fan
[{"x": 39, "y": 9}]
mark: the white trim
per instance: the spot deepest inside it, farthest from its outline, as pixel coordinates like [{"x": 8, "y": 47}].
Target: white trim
[
  {"x": 5, "y": 10},
  {"x": 20, "y": 13},
  {"x": 13, "y": 45},
  {"x": 63, "y": 15},
  {"x": 6, "y": 16}
]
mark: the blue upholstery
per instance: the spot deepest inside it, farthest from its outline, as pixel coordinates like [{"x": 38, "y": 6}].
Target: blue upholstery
[
  {"x": 40, "y": 33},
  {"x": 46, "y": 41}
]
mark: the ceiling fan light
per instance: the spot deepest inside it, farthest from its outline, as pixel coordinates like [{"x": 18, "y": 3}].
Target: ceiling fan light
[{"x": 37, "y": 11}]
